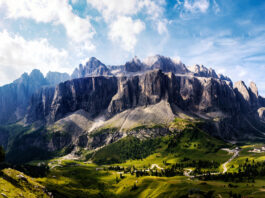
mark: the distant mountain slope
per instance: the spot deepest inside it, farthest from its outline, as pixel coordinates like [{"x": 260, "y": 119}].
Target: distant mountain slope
[{"x": 15, "y": 97}]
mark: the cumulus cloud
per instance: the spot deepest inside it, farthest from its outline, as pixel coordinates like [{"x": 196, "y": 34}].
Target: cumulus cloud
[
  {"x": 125, "y": 30},
  {"x": 18, "y": 55},
  {"x": 57, "y": 12},
  {"x": 115, "y": 12}
]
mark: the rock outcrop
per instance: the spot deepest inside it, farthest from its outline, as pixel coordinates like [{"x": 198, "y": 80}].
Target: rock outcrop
[
  {"x": 91, "y": 94},
  {"x": 92, "y": 68},
  {"x": 202, "y": 71},
  {"x": 165, "y": 64},
  {"x": 261, "y": 112},
  {"x": 135, "y": 65}
]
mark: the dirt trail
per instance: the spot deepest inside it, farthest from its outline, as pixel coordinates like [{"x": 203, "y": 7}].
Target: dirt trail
[{"x": 235, "y": 152}]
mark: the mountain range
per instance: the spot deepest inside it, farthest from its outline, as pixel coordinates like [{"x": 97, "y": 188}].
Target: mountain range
[{"x": 99, "y": 104}]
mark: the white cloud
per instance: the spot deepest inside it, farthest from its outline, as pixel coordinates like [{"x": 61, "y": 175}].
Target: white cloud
[
  {"x": 155, "y": 11},
  {"x": 115, "y": 12},
  {"x": 60, "y": 12},
  {"x": 125, "y": 30},
  {"x": 196, "y": 5},
  {"x": 112, "y": 8},
  {"x": 18, "y": 55}
]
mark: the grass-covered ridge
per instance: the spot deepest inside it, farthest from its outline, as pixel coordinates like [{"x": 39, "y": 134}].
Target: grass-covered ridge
[
  {"x": 186, "y": 139},
  {"x": 127, "y": 148},
  {"x": 16, "y": 184}
]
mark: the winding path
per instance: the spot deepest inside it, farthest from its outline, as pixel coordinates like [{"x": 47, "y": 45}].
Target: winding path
[{"x": 235, "y": 152}]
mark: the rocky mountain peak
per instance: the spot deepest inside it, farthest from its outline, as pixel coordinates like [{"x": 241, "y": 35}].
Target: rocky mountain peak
[
  {"x": 93, "y": 67},
  {"x": 202, "y": 71},
  {"x": 222, "y": 77},
  {"x": 166, "y": 64},
  {"x": 35, "y": 73},
  {"x": 253, "y": 89},
  {"x": 93, "y": 63},
  {"x": 150, "y": 60},
  {"x": 242, "y": 91},
  {"x": 134, "y": 65}
]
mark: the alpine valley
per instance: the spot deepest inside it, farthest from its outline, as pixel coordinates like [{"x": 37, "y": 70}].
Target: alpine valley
[{"x": 148, "y": 128}]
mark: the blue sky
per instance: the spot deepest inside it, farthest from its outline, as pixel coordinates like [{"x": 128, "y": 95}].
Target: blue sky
[{"x": 227, "y": 35}]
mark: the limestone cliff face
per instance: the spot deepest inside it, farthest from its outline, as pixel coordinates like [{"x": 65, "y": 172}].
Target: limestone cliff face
[
  {"x": 261, "y": 112},
  {"x": 243, "y": 95},
  {"x": 91, "y": 94},
  {"x": 254, "y": 94},
  {"x": 139, "y": 90},
  {"x": 112, "y": 95},
  {"x": 249, "y": 97}
]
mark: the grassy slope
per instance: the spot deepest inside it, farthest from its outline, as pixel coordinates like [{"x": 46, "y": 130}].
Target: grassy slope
[
  {"x": 245, "y": 154},
  {"x": 78, "y": 179},
  {"x": 187, "y": 140},
  {"x": 16, "y": 184}
]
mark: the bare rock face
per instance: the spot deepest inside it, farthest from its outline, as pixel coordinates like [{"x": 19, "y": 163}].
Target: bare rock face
[
  {"x": 91, "y": 94},
  {"x": 217, "y": 95},
  {"x": 140, "y": 90},
  {"x": 254, "y": 94},
  {"x": 253, "y": 89},
  {"x": 261, "y": 112},
  {"x": 40, "y": 105},
  {"x": 200, "y": 70},
  {"x": 92, "y": 68},
  {"x": 242, "y": 94},
  {"x": 165, "y": 64},
  {"x": 114, "y": 95},
  {"x": 222, "y": 77}
]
